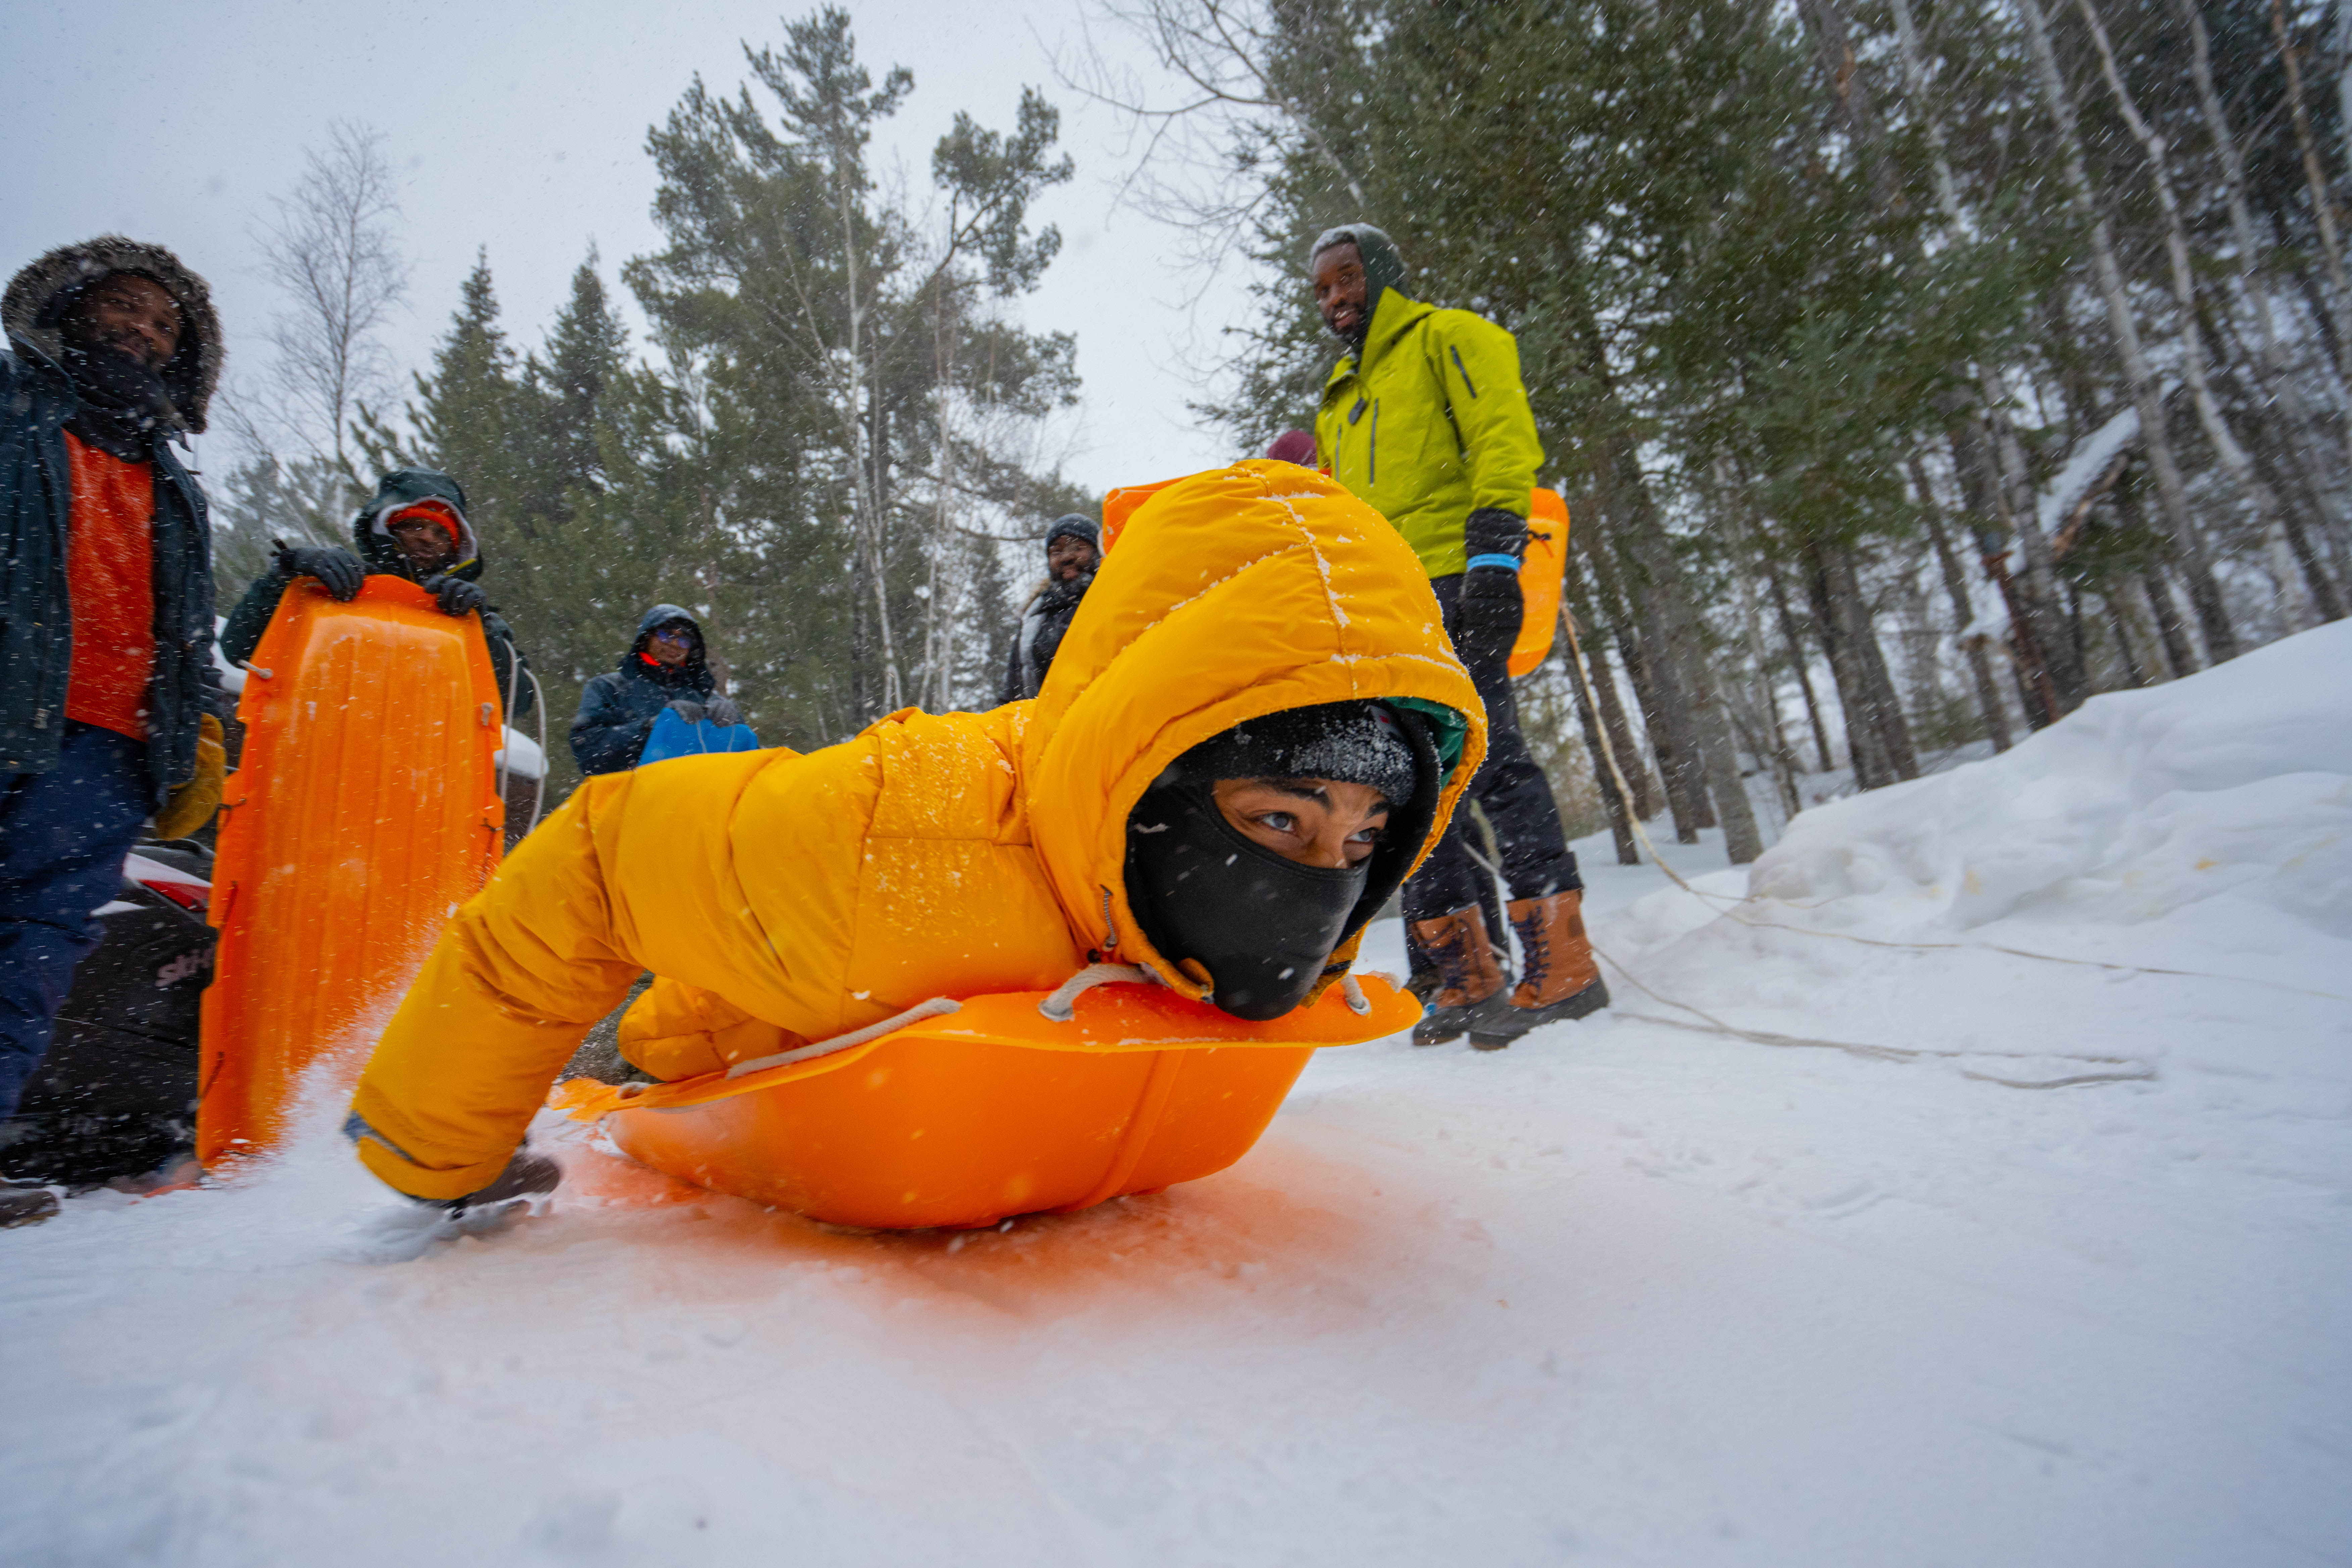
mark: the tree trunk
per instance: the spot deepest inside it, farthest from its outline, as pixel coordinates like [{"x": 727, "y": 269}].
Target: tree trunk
[
  {"x": 1886, "y": 705},
  {"x": 2274, "y": 374},
  {"x": 1773, "y": 745},
  {"x": 1800, "y": 659},
  {"x": 2171, "y": 628},
  {"x": 1686, "y": 791},
  {"x": 2270, "y": 497},
  {"x": 2204, "y": 588},
  {"x": 1964, "y": 614},
  {"x": 2323, "y": 205},
  {"x": 1685, "y": 649},
  {"x": 1684, "y": 655},
  {"x": 1645, "y": 802},
  {"x": 1665, "y": 711},
  {"x": 1742, "y": 840},
  {"x": 1871, "y": 765},
  {"x": 2133, "y": 670},
  {"x": 1620, "y": 826},
  {"x": 2052, "y": 683}
]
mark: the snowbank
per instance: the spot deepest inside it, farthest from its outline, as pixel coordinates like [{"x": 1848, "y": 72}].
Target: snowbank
[{"x": 2236, "y": 784}]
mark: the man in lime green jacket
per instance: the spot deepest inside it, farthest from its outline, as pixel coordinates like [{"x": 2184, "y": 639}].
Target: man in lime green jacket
[{"x": 1426, "y": 419}]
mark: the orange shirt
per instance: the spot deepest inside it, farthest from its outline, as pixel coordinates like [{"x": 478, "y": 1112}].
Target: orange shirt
[{"x": 111, "y": 581}]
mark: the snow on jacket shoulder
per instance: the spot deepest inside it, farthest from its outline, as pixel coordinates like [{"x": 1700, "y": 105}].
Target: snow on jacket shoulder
[
  {"x": 1432, "y": 425},
  {"x": 782, "y": 898}
]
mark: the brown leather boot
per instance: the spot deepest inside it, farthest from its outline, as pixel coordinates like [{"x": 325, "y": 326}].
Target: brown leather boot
[
  {"x": 1470, "y": 975},
  {"x": 26, "y": 1205},
  {"x": 1560, "y": 980}
]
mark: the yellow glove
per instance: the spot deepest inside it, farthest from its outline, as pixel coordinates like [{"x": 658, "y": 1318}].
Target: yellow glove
[{"x": 193, "y": 804}]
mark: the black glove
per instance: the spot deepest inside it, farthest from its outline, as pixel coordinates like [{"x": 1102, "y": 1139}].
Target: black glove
[
  {"x": 1491, "y": 605},
  {"x": 339, "y": 570},
  {"x": 1492, "y": 608},
  {"x": 526, "y": 1175},
  {"x": 456, "y": 595},
  {"x": 721, "y": 711},
  {"x": 687, "y": 709}
]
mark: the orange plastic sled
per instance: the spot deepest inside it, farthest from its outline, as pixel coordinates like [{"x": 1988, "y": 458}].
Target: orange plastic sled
[
  {"x": 1119, "y": 505},
  {"x": 365, "y": 811},
  {"x": 1542, "y": 570},
  {"x": 961, "y": 1119}
]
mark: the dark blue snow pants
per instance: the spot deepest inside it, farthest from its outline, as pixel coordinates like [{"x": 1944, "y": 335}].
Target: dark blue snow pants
[
  {"x": 63, "y": 835},
  {"x": 1511, "y": 789}
]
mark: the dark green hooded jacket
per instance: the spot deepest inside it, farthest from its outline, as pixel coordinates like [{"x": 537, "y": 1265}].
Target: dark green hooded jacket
[
  {"x": 38, "y": 400},
  {"x": 401, "y": 488}
]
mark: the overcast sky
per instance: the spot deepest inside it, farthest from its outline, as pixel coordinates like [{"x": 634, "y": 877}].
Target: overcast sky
[{"x": 520, "y": 126}]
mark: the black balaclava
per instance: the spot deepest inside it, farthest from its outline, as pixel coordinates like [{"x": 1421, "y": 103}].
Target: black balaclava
[
  {"x": 1384, "y": 269},
  {"x": 1264, "y": 927}
]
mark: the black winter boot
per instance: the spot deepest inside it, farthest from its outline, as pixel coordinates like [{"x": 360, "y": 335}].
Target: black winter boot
[{"x": 528, "y": 1177}]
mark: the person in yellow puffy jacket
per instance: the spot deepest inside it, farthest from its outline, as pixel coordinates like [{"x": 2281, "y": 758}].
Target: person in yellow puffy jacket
[
  {"x": 1254, "y": 729},
  {"x": 1426, "y": 417}
]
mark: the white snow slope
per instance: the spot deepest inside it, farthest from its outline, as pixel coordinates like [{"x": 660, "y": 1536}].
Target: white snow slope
[{"x": 2051, "y": 1264}]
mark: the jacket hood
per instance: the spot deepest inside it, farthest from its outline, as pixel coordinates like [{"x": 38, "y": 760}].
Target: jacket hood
[
  {"x": 39, "y": 294},
  {"x": 1240, "y": 592},
  {"x": 396, "y": 491},
  {"x": 697, "y": 667},
  {"x": 660, "y": 616}
]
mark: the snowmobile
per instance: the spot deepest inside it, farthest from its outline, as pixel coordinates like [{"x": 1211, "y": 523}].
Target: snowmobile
[{"x": 115, "y": 1099}]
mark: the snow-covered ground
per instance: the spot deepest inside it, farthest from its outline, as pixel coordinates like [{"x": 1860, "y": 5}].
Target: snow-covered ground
[{"x": 1812, "y": 1252}]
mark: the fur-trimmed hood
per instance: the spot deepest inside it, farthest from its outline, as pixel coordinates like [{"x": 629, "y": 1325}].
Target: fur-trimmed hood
[{"x": 38, "y": 294}]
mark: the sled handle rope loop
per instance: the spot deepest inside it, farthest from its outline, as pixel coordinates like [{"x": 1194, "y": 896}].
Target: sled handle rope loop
[
  {"x": 1731, "y": 912},
  {"x": 519, "y": 673},
  {"x": 1063, "y": 1005},
  {"x": 914, "y": 1015}
]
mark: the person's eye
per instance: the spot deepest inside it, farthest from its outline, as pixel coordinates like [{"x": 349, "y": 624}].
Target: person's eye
[
  {"x": 1280, "y": 821},
  {"x": 1366, "y": 835}
]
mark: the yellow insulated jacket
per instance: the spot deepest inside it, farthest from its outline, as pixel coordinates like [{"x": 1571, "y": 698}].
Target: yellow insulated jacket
[
  {"x": 1432, "y": 425},
  {"x": 784, "y": 898}
]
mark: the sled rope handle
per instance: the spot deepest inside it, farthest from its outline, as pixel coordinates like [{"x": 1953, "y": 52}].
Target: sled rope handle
[
  {"x": 1063, "y": 1005},
  {"x": 1731, "y": 912},
  {"x": 914, "y": 1015}
]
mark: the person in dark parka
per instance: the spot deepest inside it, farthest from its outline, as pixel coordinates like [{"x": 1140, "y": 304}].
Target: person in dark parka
[
  {"x": 106, "y": 679},
  {"x": 415, "y": 527},
  {"x": 665, "y": 666},
  {"x": 1072, "y": 550}
]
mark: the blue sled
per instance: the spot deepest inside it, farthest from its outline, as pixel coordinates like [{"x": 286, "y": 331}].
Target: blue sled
[{"x": 674, "y": 737}]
